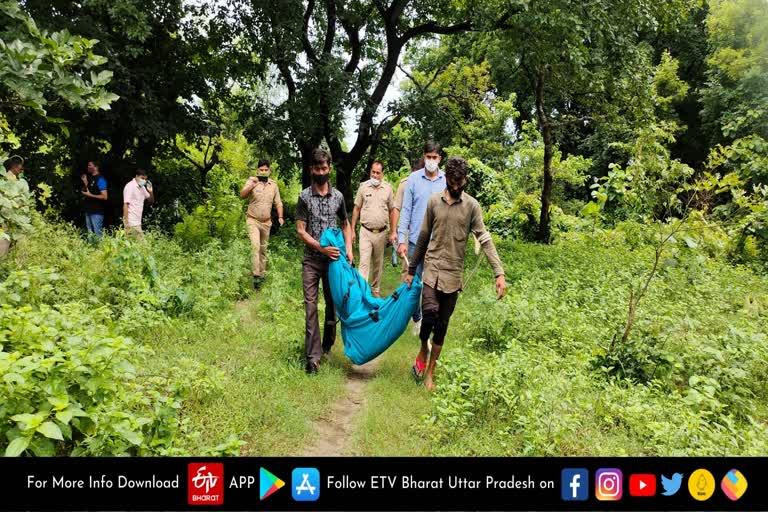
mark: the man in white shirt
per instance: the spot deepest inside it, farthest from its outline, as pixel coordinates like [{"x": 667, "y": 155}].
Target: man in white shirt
[{"x": 136, "y": 191}]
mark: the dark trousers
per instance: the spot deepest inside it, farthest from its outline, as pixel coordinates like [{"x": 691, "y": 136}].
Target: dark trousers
[
  {"x": 437, "y": 308},
  {"x": 313, "y": 271}
]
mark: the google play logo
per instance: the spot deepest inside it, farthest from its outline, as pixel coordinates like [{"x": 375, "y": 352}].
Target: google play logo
[{"x": 268, "y": 484}]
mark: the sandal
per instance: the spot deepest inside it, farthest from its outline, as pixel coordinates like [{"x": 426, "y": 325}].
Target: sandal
[{"x": 418, "y": 369}]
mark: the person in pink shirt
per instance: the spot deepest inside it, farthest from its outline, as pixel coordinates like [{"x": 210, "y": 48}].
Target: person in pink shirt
[{"x": 136, "y": 191}]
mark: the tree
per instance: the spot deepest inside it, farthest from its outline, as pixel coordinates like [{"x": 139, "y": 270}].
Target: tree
[
  {"x": 39, "y": 69},
  {"x": 332, "y": 56},
  {"x": 580, "y": 61},
  {"x": 171, "y": 63},
  {"x": 735, "y": 97}
]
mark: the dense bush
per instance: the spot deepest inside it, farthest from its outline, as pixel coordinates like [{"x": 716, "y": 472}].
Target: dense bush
[
  {"x": 73, "y": 380},
  {"x": 536, "y": 377}
]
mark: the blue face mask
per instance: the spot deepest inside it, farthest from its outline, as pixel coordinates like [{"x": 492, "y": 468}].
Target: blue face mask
[{"x": 142, "y": 183}]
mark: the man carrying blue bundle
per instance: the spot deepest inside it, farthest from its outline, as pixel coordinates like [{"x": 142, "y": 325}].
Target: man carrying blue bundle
[
  {"x": 441, "y": 246},
  {"x": 320, "y": 207}
]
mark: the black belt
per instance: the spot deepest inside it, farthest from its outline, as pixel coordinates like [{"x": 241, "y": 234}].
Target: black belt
[{"x": 374, "y": 231}]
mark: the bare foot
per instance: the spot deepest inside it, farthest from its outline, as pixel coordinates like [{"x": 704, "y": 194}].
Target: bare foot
[{"x": 429, "y": 383}]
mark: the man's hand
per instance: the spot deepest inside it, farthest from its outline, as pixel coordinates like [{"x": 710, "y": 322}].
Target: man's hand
[
  {"x": 409, "y": 280},
  {"x": 84, "y": 179},
  {"x": 281, "y": 221},
  {"x": 393, "y": 239},
  {"x": 350, "y": 257},
  {"x": 402, "y": 250},
  {"x": 501, "y": 286},
  {"x": 331, "y": 252},
  {"x": 354, "y": 236}
]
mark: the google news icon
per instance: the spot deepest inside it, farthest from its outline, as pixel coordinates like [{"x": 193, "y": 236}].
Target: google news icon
[{"x": 574, "y": 484}]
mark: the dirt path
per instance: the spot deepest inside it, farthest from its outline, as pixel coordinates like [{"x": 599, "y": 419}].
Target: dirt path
[{"x": 333, "y": 431}]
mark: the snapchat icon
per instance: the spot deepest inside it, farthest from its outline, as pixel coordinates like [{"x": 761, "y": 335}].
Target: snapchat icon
[{"x": 701, "y": 484}]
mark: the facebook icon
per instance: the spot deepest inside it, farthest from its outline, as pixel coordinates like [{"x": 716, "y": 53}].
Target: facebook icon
[{"x": 575, "y": 484}]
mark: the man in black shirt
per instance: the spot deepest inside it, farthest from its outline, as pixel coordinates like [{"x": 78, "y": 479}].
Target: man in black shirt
[
  {"x": 95, "y": 204},
  {"x": 320, "y": 206}
]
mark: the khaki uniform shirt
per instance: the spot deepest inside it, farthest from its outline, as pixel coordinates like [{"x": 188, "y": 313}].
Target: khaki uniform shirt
[
  {"x": 400, "y": 193},
  {"x": 443, "y": 241},
  {"x": 262, "y": 198},
  {"x": 374, "y": 203}
]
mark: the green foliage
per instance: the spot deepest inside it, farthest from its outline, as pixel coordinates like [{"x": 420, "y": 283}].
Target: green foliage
[
  {"x": 16, "y": 204},
  {"x": 71, "y": 384},
  {"x": 219, "y": 217},
  {"x": 735, "y": 96},
  {"x": 649, "y": 186},
  {"x": 688, "y": 383},
  {"x": 39, "y": 67},
  {"x": 74, "y": 382}
]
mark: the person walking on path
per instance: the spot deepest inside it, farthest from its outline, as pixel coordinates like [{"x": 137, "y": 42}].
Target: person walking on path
[
  {"x": 320, "y": 206},
  {"x": 135, "y": 193},
  {"x": 96, "y": 197},
  {"x": 262, "y": 193},
  {"x": 441, "y": 247},
  {"x": 419, "y": 188},
  {"x": 375, "y": 207}
]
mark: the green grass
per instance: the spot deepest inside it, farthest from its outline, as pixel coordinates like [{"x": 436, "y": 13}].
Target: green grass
[{"x": 528, "y": 375}]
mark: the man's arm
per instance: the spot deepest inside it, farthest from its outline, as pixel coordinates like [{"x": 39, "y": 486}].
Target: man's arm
[
  {"x": 346, "y": 228},
  {"x": 279, "y": 205},
  {"x": 421, "y": 245},
  {"x": 355, "y": 217},
  {"x": 477, "y": 227},
  {"x": 249, "y": 184},
  {"x": 102, "y": 195},
  {"x": 405, "y": 213},
  {"x": 392, "y": 216},
  {"x": 125, "y": 214}
]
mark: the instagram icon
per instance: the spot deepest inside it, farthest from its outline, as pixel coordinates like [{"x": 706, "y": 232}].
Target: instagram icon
[{"x": 608, "y": 483}]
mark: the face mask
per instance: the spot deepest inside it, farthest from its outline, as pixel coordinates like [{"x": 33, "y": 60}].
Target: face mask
[
  {"x": 375, "y": 182},
  {"x": 455, "y": 194},
  {"x": 263, "y": 178},
  {"x": 431, "y": 165},
  {"x": 142, "y": 183},
  {"x": 320, "y": 179}
]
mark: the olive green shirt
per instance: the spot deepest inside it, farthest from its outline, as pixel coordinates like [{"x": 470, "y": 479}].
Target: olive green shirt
[{"x": 442, "y": 241}]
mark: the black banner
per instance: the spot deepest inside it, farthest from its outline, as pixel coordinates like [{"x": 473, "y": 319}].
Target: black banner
[{"x": 273, "y": 483}]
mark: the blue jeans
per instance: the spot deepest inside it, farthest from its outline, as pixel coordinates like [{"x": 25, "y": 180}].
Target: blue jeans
[
  {"x": 94, "y": 223},
  {"x": 419, "y": 272}
]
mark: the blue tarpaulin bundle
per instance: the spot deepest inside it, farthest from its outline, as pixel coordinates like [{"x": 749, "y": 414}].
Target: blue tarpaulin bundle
[{"x": 369, "y": 325}]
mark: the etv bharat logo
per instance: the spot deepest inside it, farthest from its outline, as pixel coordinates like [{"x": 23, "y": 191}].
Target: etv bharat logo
[{"x": 205, "y": 485}]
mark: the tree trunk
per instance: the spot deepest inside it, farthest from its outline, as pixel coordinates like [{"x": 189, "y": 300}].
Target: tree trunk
[
  {"x": 344, "y": 168},
  {"x": 546, "y": 133},
  {"x": 306, "y": 149}
]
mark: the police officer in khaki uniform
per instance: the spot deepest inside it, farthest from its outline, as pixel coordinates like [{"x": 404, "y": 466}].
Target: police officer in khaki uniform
[
  {"x": 375, "y": 207},
  {"x": 262, "y": 194}
]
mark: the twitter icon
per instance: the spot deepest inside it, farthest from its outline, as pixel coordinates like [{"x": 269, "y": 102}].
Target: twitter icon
[{"x": 671, "y": 485}]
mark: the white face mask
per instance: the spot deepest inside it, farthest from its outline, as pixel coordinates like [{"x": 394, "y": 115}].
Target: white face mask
[
  {"x": 431, "y": 165},
  {"x": 375, "y": 182}
]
